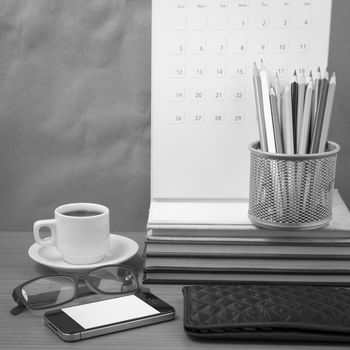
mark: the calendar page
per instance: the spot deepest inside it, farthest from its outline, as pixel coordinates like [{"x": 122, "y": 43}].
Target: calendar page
[{"x": 203, "y": 109}]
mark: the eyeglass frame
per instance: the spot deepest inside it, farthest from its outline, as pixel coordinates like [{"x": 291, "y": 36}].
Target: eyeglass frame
[{"x": 22, "y": 304}]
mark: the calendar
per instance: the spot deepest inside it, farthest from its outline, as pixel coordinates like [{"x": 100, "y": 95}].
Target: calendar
[{"x": 203, "y": 109}]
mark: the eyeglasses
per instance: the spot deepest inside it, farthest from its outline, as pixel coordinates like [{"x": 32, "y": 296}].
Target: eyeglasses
[{"x": 53, "y": 290}]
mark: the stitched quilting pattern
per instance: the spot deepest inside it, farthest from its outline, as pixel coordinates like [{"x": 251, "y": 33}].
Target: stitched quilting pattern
[{"x": 258, "y": 304}]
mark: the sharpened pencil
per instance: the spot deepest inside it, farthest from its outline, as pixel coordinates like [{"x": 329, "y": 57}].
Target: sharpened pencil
[
  {"x": 278, "y": 95},
  {"x": 327, "y": 114},
  {"x": 315, "y": 142},
  {"x": 259, "y": 108},
  {"x": 317, "y": 86},
  {"x": 300, "y": 109},
  {"x": 270, "y": 137},
  {"x": 276, "y": 121},
  {"x": 294, "y": 94},
  {"x": 287, "y": 114},
  {"x": 306, "y": 120}
]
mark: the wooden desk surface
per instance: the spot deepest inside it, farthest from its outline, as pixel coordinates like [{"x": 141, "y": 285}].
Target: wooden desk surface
[{"x": 27, "y": 331}]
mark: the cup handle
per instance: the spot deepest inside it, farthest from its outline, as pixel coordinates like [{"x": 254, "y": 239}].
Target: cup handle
[{"x": 51, "y": 224}]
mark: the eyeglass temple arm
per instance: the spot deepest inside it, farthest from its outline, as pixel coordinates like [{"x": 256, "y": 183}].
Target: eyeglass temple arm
[{"x": 20, "y": 307}]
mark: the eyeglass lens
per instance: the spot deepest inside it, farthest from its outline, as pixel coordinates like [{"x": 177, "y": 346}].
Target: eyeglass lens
[
  {"x": 48, "y": 291},
  {"x": 113, "y": 279}
]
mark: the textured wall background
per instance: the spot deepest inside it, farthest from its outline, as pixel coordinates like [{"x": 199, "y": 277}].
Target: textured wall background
[
  {"x": 75, "y": 88},
  {"x": 75, "y": 94}
]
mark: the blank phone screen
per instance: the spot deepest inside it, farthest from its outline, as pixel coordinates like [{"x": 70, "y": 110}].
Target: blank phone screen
[{"x": 110, "y": 311}]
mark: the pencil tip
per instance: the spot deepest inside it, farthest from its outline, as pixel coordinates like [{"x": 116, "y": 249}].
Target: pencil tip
[
  {"x": 333, "y": 77},
  {"x": 318, "y": 69},
  {"x": 295, "y": 72},
  {"x": 262, "y": 66}
]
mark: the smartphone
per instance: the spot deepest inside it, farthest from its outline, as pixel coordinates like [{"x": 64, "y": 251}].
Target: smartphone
[{"x": 108, "y": 316}]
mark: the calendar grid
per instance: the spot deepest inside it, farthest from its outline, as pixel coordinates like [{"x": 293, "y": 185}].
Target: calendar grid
[{"x": 203, "y": 110}]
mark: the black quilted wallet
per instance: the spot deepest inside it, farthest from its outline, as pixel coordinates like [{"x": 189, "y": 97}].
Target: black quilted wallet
[{"x": 268, "y": 312}]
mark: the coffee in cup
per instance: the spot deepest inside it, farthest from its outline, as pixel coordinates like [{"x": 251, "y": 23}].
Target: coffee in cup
[{"x": 79, "y": 231}]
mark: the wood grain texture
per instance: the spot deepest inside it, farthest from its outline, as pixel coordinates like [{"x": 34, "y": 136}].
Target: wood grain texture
[{"x": 27, "y": 330}]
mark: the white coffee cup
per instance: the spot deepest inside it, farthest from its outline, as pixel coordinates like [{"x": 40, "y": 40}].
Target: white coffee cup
[{"x": 80, "y": 232}]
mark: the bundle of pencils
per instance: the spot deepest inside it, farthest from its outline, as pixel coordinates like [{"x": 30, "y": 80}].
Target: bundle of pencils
[{"x": 295, "y": 120}]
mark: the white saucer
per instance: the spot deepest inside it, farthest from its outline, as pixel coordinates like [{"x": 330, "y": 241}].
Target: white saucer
[{"x": 120, "y": 249}]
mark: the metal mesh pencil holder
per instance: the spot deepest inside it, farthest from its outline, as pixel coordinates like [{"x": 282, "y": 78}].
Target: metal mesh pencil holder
[{"x": 291, "y": 191}]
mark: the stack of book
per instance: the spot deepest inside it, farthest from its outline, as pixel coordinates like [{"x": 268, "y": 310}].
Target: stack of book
[{"x": 249, "y": 254}]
